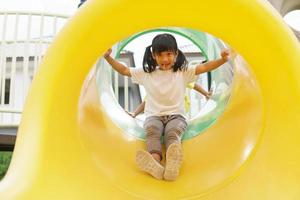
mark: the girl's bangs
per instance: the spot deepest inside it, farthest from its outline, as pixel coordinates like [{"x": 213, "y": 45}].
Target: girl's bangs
[{"x": 164, "y": 45}]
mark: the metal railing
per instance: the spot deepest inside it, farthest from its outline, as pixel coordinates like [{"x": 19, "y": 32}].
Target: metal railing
[{"x": 24, "y": 38}]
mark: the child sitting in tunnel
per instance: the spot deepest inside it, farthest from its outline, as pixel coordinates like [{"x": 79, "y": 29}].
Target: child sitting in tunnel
[{"x": 164, "y": 76}]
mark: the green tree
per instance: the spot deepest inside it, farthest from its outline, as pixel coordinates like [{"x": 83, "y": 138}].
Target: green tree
[{"x": 5, "y": 158}]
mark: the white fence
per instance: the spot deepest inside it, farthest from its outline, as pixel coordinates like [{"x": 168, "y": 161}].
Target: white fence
[{"x": 24, "y": 37}]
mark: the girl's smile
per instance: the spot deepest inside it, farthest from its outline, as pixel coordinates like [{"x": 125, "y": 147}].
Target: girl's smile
[{"x": 165, "y": 60}]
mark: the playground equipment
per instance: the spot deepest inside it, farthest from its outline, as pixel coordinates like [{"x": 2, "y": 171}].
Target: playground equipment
[
  {"x": 66, "y": 151},
  {"x": 221, "y": 84}
]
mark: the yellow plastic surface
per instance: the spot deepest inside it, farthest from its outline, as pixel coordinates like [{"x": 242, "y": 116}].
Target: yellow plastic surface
[{"x": 65, "y": 151}]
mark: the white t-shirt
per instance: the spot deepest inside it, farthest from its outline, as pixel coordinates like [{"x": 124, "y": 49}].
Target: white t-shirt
[{"x": 165, "y": 89}]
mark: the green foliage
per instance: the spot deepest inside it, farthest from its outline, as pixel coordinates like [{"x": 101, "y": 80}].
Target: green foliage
[{"x": 5, "y": 158}]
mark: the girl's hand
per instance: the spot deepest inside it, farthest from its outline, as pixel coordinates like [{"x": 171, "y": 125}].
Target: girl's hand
[
  {"x": 225, "y": 54},
  {"x": 130, "y": 113},
  {"x": 107, "y": 53},
  {"x": 208, "y": 95}
]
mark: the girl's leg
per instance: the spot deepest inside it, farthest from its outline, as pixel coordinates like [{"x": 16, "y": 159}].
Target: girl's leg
[
  {"x": 154, "y": 128},
  {"x": 149, "y": 161},
  {"x": 174, "y": 129},
  {"x": 174, "y": 156}
]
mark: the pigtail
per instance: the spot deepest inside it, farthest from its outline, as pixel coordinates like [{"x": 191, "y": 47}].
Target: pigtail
[
  {"x": 181, "y": 62},
  {"x": 149, "y": 64}
]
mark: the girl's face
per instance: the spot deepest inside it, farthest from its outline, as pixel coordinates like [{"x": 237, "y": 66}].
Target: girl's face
[{"x": 165, "y": 59}]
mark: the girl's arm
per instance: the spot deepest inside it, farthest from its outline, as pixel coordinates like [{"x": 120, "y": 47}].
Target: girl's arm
[
  {"x": 138, "y": 110},
  {"x": 116, "y": 65},
  {"x": 211, "y": 65},
  {"x": 199, "y": 89}
]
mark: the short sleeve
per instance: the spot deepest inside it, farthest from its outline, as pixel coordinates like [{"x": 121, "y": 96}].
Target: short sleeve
[
  {"x": 137, "y": 75},
  {"x": 190, "y": 75}
]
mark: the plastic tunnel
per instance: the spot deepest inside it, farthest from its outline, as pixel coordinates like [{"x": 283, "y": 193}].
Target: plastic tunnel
[
  {"x": 69, "y": 148},
  {"x": 221, "y": 80}
]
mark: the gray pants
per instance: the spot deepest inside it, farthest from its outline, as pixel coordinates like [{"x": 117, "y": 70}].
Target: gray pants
[{"x": 171, "y": 127}]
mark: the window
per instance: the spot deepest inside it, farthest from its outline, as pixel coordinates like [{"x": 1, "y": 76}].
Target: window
[{"x": 6, "y": 92}]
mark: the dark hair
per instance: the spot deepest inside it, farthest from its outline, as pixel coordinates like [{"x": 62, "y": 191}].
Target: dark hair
[{"x": 160, "y": 43}]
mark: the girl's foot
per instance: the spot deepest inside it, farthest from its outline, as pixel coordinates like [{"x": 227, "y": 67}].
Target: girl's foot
[
  {"x": 147, "y": 163},
  {"x": 174, "y": 159}
]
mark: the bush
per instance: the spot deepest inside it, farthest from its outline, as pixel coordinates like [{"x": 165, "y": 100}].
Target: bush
[{"x": 5, "y": 158}]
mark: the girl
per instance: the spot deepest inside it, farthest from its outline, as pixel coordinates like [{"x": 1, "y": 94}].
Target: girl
[{"x": 164, "y": 76}]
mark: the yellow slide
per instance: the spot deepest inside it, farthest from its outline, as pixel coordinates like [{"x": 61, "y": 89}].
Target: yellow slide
[{"x": 65, "y": 151}]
